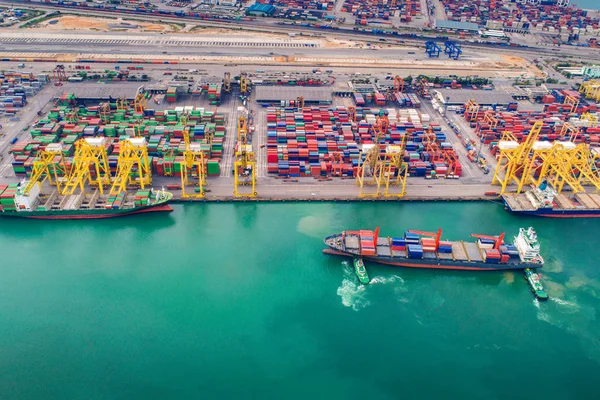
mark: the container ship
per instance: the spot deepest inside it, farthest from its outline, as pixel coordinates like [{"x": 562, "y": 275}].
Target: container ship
[
  {"x": 426, "y": 250},
  {"x": 14, "y": 203},
  {"x": 543, "y": 201}
]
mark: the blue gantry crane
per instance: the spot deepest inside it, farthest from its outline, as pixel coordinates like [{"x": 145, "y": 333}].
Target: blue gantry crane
[
  {"x": 452, "y": 49},
  {"x": 432, "y": 49}
]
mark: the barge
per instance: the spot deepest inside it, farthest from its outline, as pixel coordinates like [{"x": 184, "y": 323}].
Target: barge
[{"x": 418, "y": 249}]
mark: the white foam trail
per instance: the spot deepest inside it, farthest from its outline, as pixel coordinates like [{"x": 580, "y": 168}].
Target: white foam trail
[
  {"x": 536, "y": 303},
  {"x": 352, "y": 295},
  {"x": 564, "y": 302},
  {"x": 384, "y": 280}
]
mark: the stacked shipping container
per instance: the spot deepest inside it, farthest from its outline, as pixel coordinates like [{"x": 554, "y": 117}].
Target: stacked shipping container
[{"x": 321, "y": 141}]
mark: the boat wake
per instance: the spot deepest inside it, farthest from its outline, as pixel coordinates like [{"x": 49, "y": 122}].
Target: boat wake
[
  {"x": 386, "y": 279},
  {"x": 353, "y": 295}
]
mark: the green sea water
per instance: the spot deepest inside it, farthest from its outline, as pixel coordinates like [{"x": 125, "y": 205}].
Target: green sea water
[{"x": 236, "y": 301}]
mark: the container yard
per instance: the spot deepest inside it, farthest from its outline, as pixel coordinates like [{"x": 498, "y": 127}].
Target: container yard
[
  {"x": 166, "y": 135},
  {"x": 320, "y": 141},
  {"x": 522, "y": 16}
]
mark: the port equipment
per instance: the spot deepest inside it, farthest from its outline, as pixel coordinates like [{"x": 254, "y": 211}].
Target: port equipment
[
  {"x": 592, "y": 118},
  {"x": 432, "y": 49},
  {"x": 243, "y": 82},
  {"x": 227, "y": 82},
  {"x": 140, "y": 102},
  {"x": 50, "y": 165},
  {"x": 490, "y": 119},
  {"x": 437, "y": 235},
  {"x": 514, "y": 157},
  {"x": 194, "y": 160},
  {"x": 90, "y": 154},
  {"x": 352, "y": 114},
  {"x": 423, "y": 88},
  {"x": 245, "y": 163},
  {"x": 571, "y": 100},
  {"x": 471, "y": 110},
  {"x": 370, "y": 172},
  {"x": 73, "y": 116},
  {"x": 396, "y": 170},
  {"x": 104, "y": 111},
  {"x": 590, "y": 89},
  {"x": 133, "y": 160},
  {"x": 557, "y": 165},
  {"x": 122, "y": 104},
  {"x": 498, "y": 240},
  {"x": 300, "y": 103},
  {"x": 452, "y": 49},
  {"x": 583, "y": 165},
  {"x": 398, "y": 84},
  {"x": 59, "y": 75},
  {"x": 568, "y": 130}
]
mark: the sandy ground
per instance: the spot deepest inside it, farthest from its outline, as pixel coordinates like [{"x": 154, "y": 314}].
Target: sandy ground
[
  {"x": 520, "y": 62},
  {"x": 71, "y": 22}
]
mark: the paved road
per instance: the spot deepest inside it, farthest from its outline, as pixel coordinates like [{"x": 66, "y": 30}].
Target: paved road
[{"x": 271, "y": 27}]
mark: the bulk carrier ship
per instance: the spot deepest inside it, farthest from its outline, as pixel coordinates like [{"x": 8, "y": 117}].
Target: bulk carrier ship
[
  {"x": 544, "y": 201},
  {"x": 14, "y": 203},
  {"x": 426, "y": 250}
]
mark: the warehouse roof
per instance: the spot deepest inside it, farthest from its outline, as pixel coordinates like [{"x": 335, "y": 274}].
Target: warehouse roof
[
  {"x": 278, "y": 93},
  {"x": 264, "y": 8},
  {"x": 94, "y": 91},
  {"x": 461, "y": 26},
  {"x": 483, "y": 97}
]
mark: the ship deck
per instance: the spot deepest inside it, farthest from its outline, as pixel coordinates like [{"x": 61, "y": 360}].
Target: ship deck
[
  {"x": 461, "y": 250},
  {"x": 519, "y": 202},
  {"x": 579, "y": 201}
]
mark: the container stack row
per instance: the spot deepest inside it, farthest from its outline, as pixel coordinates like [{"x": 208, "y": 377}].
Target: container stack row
[
  {"x": 321, "y": 141},
  {"x": 521, "y": 15},
  {"x": 7, "y": 197},
  {"x": 519, "y": 123},
  {"x": 162, "y": 130}
]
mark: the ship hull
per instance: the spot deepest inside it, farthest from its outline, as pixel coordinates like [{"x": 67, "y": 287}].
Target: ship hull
[
  {"x": 554, "y": 213},
  {"x": 437, "y": 263},
  {"x": 89, "y": 214}
]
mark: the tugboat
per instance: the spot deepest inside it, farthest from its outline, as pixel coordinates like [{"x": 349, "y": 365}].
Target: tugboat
[
  {"x": 536, "y": 286},
  {"x": 361, "y": 271}
]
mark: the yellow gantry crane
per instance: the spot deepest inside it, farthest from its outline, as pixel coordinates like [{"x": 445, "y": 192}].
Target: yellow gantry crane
[
  {"x": 371, "y": 170},
  {"x": 133, "y": 167},
  {"x": 90, "y": 154},
  {"x": 73, "y": 116},
  {"x": 104, "y": 111},
  {"x": 556, "y": 162},
  {"x": 471, "y": 110},
  {"x": 583, "y": 165},
  {"x": 569, "y": 131},
  {"x": 572, "y": 101},
  {"x": 244, "y": 166},
  {"x": 122, "y": 104},
  {"x": 194, "y": 158},
  {"x": 49, "y": 165},
  {"x": 396, "y": 170},
  {"x": 243, "y": 83},
  {"x": 592, "y": 118},
  {"x": 140, "y": 102},
  {"x": 591, "y": 90},
  {"x": 514, "y": 159}
]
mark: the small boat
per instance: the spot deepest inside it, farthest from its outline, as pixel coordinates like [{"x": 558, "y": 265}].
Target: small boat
[
  {"x": 535, "y": 284},
  {"x": 361, "y": 271}
]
